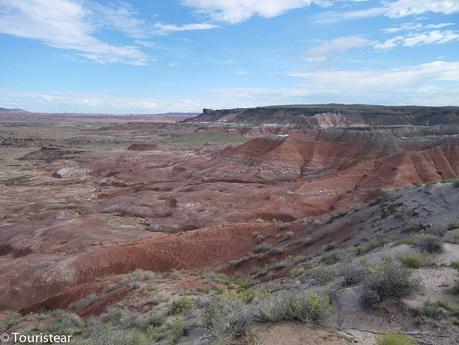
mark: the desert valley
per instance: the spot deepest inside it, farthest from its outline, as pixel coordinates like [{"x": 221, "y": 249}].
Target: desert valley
[{"x": 310, "y": 224}]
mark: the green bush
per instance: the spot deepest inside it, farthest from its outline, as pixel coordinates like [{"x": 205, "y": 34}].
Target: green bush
[
  {"x": 353, "y": 275},
  {"x": 224, "y": 318},
  {"x": 416, "y": 260},
  {"x": 229, "y": 314},
  {"x": 322, "y": 275},
  {"x": 388, "y": 280},
  {"x": 433, "y": 310},
  {"x": 430, "y": 244},
  {"x": 366, "y": 247},
  {"x": 295, "y": 305},
  {"x": 312, "y": 308},
  {"x": 181, "y": 305},
  {"x": 64, "y": 323},
  {"x": 83, "y": 303},
  {"x": 453, "y": 225},
  {"x": 394, "y": 339}
]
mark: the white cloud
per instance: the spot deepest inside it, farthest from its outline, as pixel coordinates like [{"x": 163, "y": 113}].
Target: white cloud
[
  {"x": 418, "y": 39},
  {"x": 63, "y": 24},
  {"x": 415, "y": 27},
  {"x": 435, "y": 83},
  {"x": 395, "y": 9},
  {"x": 121, "y": 17},
  {"x": 330, "y": 17},
  {"x": 338, "y": 45},
  {"x": 236, "y": 11},
  {"x": 241, "y": 72},
  {"x": 402, "y": 8},
  {"x": 170, "y": 28}
]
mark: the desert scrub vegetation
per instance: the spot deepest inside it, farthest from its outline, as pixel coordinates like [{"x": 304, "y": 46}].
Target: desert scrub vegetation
[
  {"x": 181, "y": 305},
  {"x": 230, "y": 313},
  {"x": 366, "y": 247},
  {"x": 430, "y": 244},
  {"x": 388, "y": 280},
  {"x": 394, "y": 339},
  {"x": 322, "y": 275},
  {"x": 452, "y": 225},
  {"x": 433, "y": 310},
  {"x": 226, "y": 316},
  {"x": 84, "y": 302},
  {"x": 353, "y": 275},
  {"x": 417, "y": 260}
]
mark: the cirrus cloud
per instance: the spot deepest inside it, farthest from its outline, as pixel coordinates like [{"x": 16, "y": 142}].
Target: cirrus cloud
[
  {"x": 236, "y": 11},
  {"x": 63, "y": 24}
]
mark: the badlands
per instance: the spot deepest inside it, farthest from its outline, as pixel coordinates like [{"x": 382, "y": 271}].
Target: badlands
[{"x": 325, "y": 224}]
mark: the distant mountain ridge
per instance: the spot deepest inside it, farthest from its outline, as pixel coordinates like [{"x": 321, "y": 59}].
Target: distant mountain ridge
[
  {"x": 7, "y": 114},
  {"x": 333, "y": 115},
  {"x": 7, "y": 110}
]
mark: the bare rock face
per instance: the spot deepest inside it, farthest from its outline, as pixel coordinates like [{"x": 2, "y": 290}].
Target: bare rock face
[{"x": 143, "y": 147}]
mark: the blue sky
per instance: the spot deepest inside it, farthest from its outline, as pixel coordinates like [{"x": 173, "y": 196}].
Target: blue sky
[{"x": 157, "y": 56}]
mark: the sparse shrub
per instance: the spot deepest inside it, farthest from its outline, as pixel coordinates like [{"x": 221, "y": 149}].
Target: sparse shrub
[
  {"x": 295, "y": 305},
  {"x": 416, "y": 260},
  {"x": 322, "y": 275},
  {"x": 284, "y": 226},
  {"x": 141, "y": 275},
  {"x": 277, "y": 265},
  {"x": 331, "y": 258},
  {"x": 263, "y": 247},
  {"x": 312, "y": 308},
  {"x": 64, "y": 323},
  {"x": 100, "y": 333},
  {"x": 296, "y": 271},
  {"x": 261, "y": 271},
  {"x": 307, "y": 241},
  {"x": 11, "y": 318},
  {"x": 409, "y": 240},
  {"x": 297, "y": 259},
  {"x": 353, "y": 275},
  {"x": 394, "y": 339},
  {"x": 388, "y": 280},
  {"x": 181, "y": 305},
  {"x": 452, "y": 225},
  {"x": 259, "y": 237},
  {"x": 288, "y": 235},
  {"x": 456, "y": 287},
  {"x": 277, "y": 250},
  {"x": 366, "y": 247},
  {"x": 110, "y": 287},
  {"x": 83, "y": 303},
  {"x": 431, "y": 244},
  {"x": 240, "y": 261},
  {"x": 126, "y": 319},
  {"x": 176, "y": 275},
  {"x": 432, "y": 310},
  {"x": 223, "y": 316}
]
